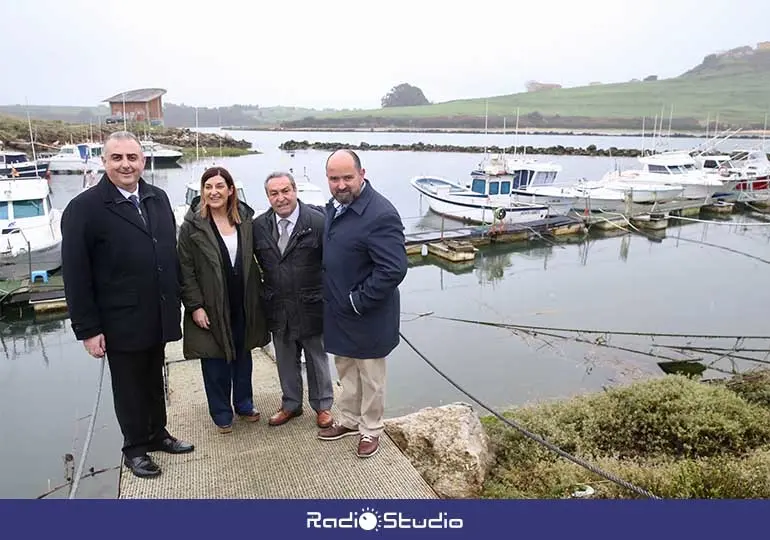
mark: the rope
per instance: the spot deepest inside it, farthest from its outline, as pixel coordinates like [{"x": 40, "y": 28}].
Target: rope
[
  {"x": 89, "y": 434},
  {"x": 609, "y": 476},
  {"x": 712, "y": 222},
  {"x": 62, "y": 486},
  {"x": 594, "y": 331}
]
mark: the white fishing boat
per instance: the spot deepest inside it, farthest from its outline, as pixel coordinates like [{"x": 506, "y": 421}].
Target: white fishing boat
[
  {"x": 77, "y": 159},
  {"x": 14, "y": 164},
  {"x": 456, "y": 201},
  {"x": 159, "y": 154},
  {"x": 521, "y": 179},
  {"x": 748, "y": 170},
  {"x": 615, "y": 195},
  {"x": 535, "y": 182},
  {"x": 669, "y": 169},
  {"x": 30, "y": 228}
]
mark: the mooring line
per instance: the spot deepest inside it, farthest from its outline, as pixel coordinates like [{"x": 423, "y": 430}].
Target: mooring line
[
  {"x": 594, "y": 331},
  {"x": 89, "y": 434},
  {"x": 524, "y": 431}
]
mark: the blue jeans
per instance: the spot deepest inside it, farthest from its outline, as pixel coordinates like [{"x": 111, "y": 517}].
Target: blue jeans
[{"x": 223, "y": 380}]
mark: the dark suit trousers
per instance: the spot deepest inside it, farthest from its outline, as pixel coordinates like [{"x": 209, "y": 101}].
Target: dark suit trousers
[{"x": 140, "y": 404}]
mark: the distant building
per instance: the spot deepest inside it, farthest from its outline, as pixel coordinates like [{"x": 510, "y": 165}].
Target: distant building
[
  {"x": 763, "y": 46},
  {"x": 140, "y": 105},
  {"x": 535, "y": 86}
]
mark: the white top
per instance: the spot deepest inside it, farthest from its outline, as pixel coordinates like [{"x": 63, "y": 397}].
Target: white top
[
  {"x": 292, "y": 219},
  {"x": 127, "y": 194},
  {"x": 231, "y": 241}
]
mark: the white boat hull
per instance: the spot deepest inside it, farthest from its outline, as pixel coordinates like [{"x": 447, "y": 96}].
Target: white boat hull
[
  {"x": 74, "y": 166},
  {"x": 486, "y": 215},
  {"x": 18, "y": 266},
  {"x": 43, "y": 249},
  {"x": 454, "y": 201},
  {"x": 556, "y": 204},
  {"x": 694, "y": 185}
]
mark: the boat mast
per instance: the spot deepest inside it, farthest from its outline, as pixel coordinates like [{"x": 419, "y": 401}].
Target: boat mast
[
  {"x": 32, "y": 141},
  {"x": 516, "y": 134}
]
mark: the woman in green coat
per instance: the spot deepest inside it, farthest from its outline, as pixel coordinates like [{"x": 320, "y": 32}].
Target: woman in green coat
[{"x": 221, "y": 284}]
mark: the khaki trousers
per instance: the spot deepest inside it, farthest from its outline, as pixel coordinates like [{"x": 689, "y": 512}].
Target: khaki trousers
[{"x": 362, "y": 402}]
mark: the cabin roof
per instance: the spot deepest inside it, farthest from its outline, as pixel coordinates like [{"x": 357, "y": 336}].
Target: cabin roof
[
  {"x": 140, "y": 95},
  {"x": 27, "y": 188},
  {"x": 673, "y": 158}
]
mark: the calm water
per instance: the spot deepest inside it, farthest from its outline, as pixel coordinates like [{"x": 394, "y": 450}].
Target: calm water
[{"x": 47, "y": 381}]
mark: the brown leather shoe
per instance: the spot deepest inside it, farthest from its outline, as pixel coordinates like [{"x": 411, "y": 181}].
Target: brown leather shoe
[
  {"x": 324, "y": 419},
  {"x": 368, "y": 446},
  {"x": 336, "y": 431},
  {"x": 281, "y": 417}
]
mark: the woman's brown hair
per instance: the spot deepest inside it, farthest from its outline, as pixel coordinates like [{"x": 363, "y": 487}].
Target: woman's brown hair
[{"x": 232, "y": 200}]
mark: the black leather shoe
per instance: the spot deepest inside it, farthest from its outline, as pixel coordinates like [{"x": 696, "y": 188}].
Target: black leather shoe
[
  {"x": 142, "y": 466},
  {"x": 173, "y": 445}
]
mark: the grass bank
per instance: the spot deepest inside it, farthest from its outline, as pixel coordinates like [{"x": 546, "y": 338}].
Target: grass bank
[
  {"x": 674, "y": 436},
  {"x": 50, "y": 135},
  {"x": 215, "y": 151}
]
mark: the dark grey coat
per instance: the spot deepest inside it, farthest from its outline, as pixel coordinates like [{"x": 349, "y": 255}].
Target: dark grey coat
[{"x": 293, "y": 285}]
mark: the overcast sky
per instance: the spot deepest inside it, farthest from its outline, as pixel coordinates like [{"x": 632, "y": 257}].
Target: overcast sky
[{"x": 350, "y": 53}]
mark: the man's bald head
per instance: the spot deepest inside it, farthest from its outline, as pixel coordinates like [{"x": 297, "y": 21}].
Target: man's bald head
[
  {"x": 345, "y": 175},
  {"x": 342, "y": 153}
]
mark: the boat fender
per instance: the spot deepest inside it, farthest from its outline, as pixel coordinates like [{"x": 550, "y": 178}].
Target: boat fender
[{"x": 499, "y": 213}]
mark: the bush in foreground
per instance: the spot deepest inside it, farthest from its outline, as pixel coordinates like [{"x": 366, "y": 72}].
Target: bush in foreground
[{"x": 673, "y": 436}]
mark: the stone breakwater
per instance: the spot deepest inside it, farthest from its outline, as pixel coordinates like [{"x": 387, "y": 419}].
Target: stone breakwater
[{"x": 558, "y": 150}]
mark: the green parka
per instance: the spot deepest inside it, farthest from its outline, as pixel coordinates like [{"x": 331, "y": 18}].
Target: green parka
[{"x": 204, "y": 285}]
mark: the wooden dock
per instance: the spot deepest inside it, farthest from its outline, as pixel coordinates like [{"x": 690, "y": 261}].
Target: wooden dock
[
  {"x": 499, "y": 233},
  {"x": 42, "y": 297}
]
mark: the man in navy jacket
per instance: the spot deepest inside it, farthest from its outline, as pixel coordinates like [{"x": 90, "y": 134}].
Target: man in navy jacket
[{"x": 364, "y": 261}]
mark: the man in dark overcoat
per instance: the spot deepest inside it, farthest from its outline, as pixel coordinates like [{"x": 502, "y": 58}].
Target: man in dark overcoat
[{"x": 120, "y": 270}]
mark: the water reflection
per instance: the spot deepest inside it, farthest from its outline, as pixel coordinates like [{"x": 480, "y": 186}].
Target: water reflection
[
  {"x": 48, "y": 383},
  {"x": 24, "y": 339}
]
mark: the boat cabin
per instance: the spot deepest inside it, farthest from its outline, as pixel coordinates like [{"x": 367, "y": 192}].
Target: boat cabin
[
  {"x": 516, "y": 179},
  {"x": 23, "y": 199},
  {"x": 82, "y": 151},
  {"x": 669, "y": 163},
  {"x": 8, "y": 158}
]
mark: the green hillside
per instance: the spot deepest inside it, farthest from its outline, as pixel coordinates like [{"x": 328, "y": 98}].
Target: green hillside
[{"x": 734, "y": 84}]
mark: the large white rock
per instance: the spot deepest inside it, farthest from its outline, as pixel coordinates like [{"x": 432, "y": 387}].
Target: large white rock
[{"x": 447, "y": 445}]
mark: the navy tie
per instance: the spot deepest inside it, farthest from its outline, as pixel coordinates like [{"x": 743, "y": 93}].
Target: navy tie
[{"x": 135, "y": 200}]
